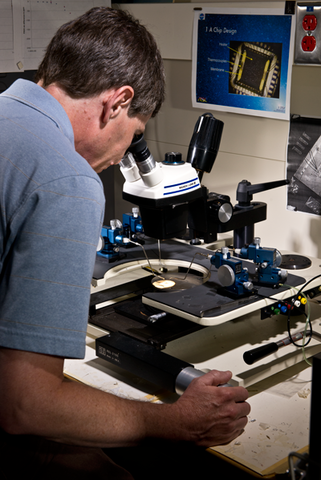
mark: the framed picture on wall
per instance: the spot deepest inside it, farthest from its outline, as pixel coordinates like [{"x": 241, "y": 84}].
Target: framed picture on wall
[{"x": 242, "y": 61}]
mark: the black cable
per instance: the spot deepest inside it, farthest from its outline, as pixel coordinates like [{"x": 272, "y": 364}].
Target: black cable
[
  {"x": 307, "y": 283},
  {"x": 310, "y": 333}
]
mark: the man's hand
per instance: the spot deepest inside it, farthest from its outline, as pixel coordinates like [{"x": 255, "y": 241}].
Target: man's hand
[
  {"x": 35, "y": 399},
  {"x": 212, "y": 415}
]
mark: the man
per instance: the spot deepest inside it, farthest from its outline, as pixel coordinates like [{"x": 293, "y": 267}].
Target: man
[{"x": 99, "y": 83}]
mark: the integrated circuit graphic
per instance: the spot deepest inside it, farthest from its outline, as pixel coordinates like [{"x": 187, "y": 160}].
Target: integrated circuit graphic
[{"x": 255, "y": 69}]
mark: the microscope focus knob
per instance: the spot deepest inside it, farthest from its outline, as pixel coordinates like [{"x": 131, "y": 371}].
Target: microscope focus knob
[
  {"x": 220, "y": 207},
  {"x": 225, "y": 212}
]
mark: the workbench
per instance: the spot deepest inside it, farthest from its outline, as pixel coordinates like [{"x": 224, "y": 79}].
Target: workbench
[
  {"x": 279, "y": 385},
  {"x": 278, "y": 422}
]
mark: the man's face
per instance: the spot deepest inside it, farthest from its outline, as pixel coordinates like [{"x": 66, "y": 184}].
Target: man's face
[{"x": 111, "y": 142}]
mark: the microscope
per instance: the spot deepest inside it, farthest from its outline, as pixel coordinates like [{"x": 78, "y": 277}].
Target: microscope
[
  {"x": 162, "y": 190},
  {"x": 171, "y": 198},
  {"x": 144, "y": 317}
]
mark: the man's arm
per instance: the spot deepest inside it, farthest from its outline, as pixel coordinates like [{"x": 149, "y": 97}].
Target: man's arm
[{"x": 36, "y": 399}]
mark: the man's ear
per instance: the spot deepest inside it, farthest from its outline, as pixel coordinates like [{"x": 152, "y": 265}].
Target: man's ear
[{"x": 115, "y": 101}]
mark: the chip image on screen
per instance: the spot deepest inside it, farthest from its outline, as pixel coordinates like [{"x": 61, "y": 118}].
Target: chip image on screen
[{"x": 255, "y": 69}]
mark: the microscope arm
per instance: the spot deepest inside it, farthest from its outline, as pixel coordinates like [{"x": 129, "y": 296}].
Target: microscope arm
[{"x": 245, "y": 190}]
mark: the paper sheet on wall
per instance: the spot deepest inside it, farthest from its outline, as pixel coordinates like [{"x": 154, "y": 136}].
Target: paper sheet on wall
[
  {"x": 242, "y": 61},
  {"x": 26, "y": 27},
  {"x": 7, "y": 57}
]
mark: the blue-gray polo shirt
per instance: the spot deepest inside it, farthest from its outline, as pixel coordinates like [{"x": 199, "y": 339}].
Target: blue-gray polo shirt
[{"x": 51, "y": 211}]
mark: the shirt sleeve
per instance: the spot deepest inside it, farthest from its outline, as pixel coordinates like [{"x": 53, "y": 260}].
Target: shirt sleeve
[{"x": 46, "y": 277}]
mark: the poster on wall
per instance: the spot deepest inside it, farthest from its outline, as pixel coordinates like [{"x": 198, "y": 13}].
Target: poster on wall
[
  {"x": 27, "y": 27},
  {"x": 304, "y": 165},
  {"x": 242, "y": 61}
]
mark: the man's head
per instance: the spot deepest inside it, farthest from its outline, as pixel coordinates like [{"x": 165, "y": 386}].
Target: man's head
[{"x": 105, "y": 49}]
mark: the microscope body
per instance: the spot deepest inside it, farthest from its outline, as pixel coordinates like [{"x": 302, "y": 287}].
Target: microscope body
[
  {"x": 171, "y": 198},
  {"x": 164, "y": 207}
]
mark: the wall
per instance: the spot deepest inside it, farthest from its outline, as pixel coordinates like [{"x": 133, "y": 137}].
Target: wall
[{"x": 252, "y": 148}]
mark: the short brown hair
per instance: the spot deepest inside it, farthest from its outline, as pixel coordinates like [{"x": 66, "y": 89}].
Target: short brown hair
[{"x": 106, "y": 48}]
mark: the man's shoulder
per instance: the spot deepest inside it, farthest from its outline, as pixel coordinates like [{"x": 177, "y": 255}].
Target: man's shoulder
[{"x": 26, "y": 108}]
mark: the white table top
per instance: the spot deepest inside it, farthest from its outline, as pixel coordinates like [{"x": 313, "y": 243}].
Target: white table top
[{"x": 278, "y": 422}]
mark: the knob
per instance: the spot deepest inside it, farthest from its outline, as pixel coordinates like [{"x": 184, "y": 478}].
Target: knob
[
  {"x": 135, "y": 212},
  {"x": 248, "y": 285},
  {"x": 173, "y": 158},
  {"x": 225, "y": 212},
  {"x": 226, "y": 275},
  {"x": 257, "y": 241}
]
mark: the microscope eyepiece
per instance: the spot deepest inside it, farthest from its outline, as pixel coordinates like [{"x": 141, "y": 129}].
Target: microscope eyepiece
[{"x": 138, "y": 148}]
